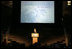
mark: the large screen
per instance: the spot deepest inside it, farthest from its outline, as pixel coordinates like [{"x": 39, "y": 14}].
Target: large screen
[{"x": 37, "y": 12}]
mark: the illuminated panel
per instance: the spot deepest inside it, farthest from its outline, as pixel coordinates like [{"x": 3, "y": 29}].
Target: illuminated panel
[
  {"x": 37, "y": 11},
  {"x": 35, "y": 35},
  {"x": 68, "y": 2}
]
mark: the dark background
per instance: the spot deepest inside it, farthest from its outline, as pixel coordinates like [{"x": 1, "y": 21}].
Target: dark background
[{"x": 10, "y": 17}]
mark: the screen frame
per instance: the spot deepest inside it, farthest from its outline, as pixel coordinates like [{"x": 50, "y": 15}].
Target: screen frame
[
  {"x": 46, "y": 21},
  {"x": 57, "y": 15}
]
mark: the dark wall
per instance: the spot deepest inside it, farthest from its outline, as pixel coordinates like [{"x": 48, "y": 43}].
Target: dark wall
[
  {"x": 11, "y": 17},
  {"x": 6, "y": 15}
]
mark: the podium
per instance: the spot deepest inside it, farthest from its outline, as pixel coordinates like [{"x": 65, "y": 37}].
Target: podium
[{"x": 34, "y": 37}]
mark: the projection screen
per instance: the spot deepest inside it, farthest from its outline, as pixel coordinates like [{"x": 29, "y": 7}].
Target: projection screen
[{"x": 37, "y": 12}]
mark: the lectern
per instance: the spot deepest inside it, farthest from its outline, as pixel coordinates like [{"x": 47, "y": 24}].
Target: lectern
[{"x": 34, "y": 36}]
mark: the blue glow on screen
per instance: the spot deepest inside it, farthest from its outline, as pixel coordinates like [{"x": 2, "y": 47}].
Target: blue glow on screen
[{"x": 37, "y": 11}]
